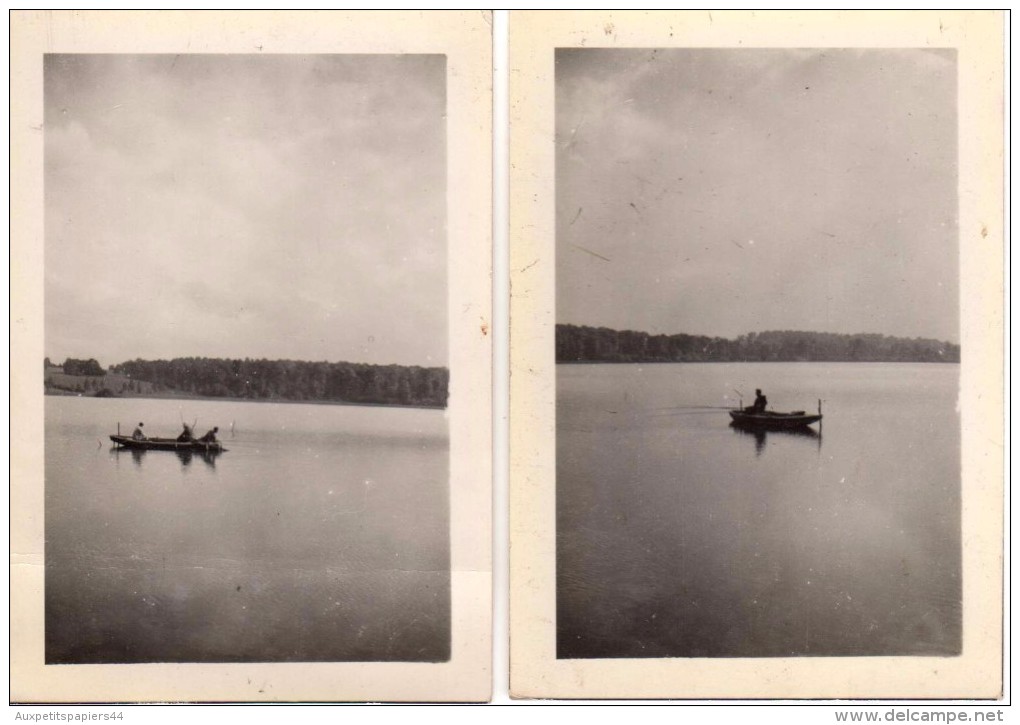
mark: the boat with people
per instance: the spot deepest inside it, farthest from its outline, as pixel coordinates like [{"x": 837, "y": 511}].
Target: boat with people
[
  {"x": 757, "y": 418},
  {"x": 167, "y": 444},
  {"x": 186, "y": 441},
  {"x": 770, "y": 420}
]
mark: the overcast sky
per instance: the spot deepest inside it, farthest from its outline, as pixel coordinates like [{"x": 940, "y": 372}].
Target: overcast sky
[
  {"x": 246, "y": 206},
  {"x": 721, "y": 192}
]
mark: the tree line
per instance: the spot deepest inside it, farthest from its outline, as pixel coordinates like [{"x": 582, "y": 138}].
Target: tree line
[
  {"x": 600, "y": 344},
  {"x": 73, "y": 366},
  {"x": 339, "y": 382}
]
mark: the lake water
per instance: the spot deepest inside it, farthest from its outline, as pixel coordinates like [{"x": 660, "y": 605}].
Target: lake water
[
  {"x": 322, "y": 534},
  {"x": 679, "y": 536}
]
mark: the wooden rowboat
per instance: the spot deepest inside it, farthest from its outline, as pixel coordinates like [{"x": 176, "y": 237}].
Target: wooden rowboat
[
  {"x": 769, "y": 420},
  {"x": 166, "y": 444}
]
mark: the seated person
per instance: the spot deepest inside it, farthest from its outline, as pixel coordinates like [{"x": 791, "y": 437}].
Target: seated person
[
  {"x": 760, "y": 401},
  {"x": 210, "y": 436},
  {"x": 139, "y": 434},
  {"x": 186, "y": 435}
]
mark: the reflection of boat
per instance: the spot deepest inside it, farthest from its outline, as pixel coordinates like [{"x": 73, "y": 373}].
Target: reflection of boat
[
  {"x": 801, "y": 432},
  {"x": 760, "y": 435},
  {"x": 166, "y": 444},
  {"x": 769, "y": 420},
  {"x": 186, "y": 455},
  {"x": 207, "y": 457}
]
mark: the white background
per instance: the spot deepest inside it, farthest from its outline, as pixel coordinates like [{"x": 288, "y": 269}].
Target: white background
[{"x": 693, "y": 712}]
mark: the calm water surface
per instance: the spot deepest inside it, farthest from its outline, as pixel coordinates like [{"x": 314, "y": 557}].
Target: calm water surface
[
  {"x": 679, "y": 536},
  {"x": 321, "y": 535}
]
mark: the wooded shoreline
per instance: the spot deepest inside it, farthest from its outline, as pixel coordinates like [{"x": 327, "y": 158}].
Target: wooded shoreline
[
  {"x": 581, "y": 344},
  {"x": 169, "y": 396},
  {"x": 292, "y": 381}
]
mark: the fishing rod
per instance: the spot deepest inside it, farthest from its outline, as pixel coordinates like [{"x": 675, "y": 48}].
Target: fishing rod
[{"x": 695, "y": 407}]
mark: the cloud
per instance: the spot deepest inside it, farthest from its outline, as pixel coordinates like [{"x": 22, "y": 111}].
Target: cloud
[
  {"x": 254, "y": 206},
  {"x": 740, "y": 190}
]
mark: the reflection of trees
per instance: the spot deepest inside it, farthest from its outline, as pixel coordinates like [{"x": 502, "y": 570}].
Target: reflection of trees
[{"x": 600, "y": 344}]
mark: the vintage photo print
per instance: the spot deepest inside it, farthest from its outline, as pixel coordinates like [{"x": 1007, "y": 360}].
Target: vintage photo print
[
  {"x": 818, "y": 180},
  {"x": 250, "y": 419},
  {"x": 756, "y": 334}
]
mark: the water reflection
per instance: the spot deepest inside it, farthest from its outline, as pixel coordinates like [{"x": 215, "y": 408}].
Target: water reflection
[
  {"x": 136, "y": 454},
  {"x": 761, "y": 436},
  {"x": 207, "y": 457},
  {"x": 184, "y": 456}
]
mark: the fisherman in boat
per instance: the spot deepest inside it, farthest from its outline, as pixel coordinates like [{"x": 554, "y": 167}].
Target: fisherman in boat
[
  {"x": 760, "y": 401},
  {"x": 139, "y": 434},
  {"x": 210, "y": 436},
  {"x": 186, "y": 435}
]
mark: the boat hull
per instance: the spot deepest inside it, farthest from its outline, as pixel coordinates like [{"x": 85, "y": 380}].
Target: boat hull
[
  {"x": 772, "y": 421},
  {"x": 166, "y": 444}
]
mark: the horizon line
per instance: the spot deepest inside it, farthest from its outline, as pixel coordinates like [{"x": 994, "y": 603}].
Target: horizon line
[
  {"x": 58, "y": 363},
  {"x": 759, "y": 332}
]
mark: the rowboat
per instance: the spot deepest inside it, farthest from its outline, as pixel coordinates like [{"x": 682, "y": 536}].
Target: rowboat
[
  {"x": 166, "y": 444},
  {"x": 773, "y": 421},
  {"x": 770, "y": 420}
]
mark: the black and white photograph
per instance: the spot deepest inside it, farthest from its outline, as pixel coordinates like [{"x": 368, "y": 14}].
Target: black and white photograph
[
  {"x": 756, "y": 335},
  {"x": 246, "y": 446},
  {"x": 758, "y": 445},
  {"x": 253, "y": 383}
]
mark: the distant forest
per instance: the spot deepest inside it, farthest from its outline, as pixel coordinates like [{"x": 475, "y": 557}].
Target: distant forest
[
  {"x": 600, "y": 344},
  {"x": 72, "y": 366},
  {"x": 340, "y": 382}
]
